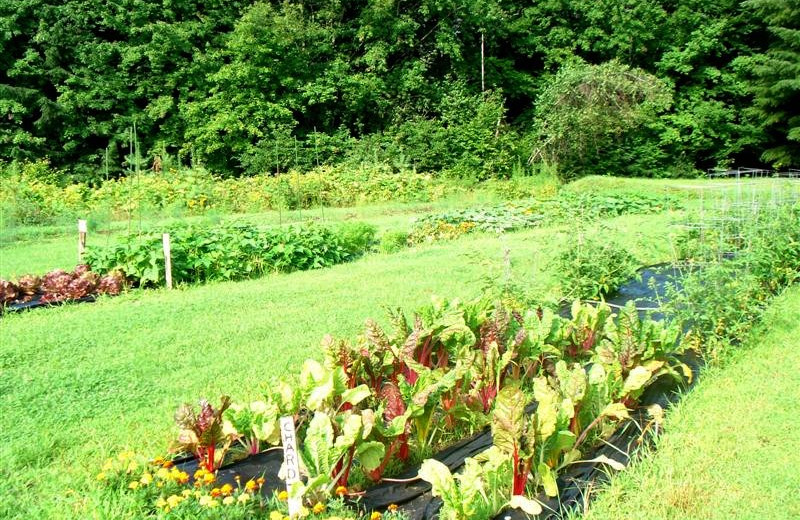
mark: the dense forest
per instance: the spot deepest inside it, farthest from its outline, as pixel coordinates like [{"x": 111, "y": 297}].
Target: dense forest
[{"x": 465, "y": 88}]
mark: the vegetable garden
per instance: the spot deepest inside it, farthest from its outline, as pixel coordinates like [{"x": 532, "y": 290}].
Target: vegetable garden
[{"x": 496, "y": 405}]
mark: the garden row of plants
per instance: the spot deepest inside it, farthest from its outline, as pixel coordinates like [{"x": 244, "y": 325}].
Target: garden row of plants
[
  {"x": 388, "y": 400},
  {"x": 391, "y": 398},
  {"x": 566, "y": 206},
  {"x": 197, "y": 255},
  {"x": 59, "y": 286},
  {"x": 32, "y": 193}
]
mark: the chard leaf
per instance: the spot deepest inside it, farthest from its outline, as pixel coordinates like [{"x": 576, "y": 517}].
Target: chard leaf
[
  {"x": 370, "y": 454},
  {"x": 437, "y": 475},
  {"x": 637, "y": 378},
  {"x": 356, "y": 395},
  {"x": 525, "y": 504},
  {"x": 318, "y": 445},
  {"x": 548, "y": 478},
  {"x": 507, "y": 418},
  {"x": 616, "y": 411}
]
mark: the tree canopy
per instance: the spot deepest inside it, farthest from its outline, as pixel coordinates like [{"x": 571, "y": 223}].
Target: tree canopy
[{"x": 454, "y": 86}]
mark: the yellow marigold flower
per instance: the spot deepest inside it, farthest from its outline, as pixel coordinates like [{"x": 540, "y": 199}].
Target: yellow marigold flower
[
  {"x": 158, "y": 461},
  {"x": 146, "y": 479},
  {"x": 209, "y": 478},
  {"x": 228, "y": 500},
  {"x": 375, "y": 516},
  {"x": 133, "y": 485},
  {"x": 392, "y": 508},
  {"x": 341, "y": 491},
  {"x": 160, "y": 484},
  {"x": 161, "y": 503},
  {"x": 162, "y": 473},
  {"x": 275, "y": 515},
  {"x": 174, "y": 500},
  {"x": 283, "y": 495},
  {"x": 199, "y": 474},
  {"x": 318, "y": 508},
  {"x": 133, "y": 466},
  {"x": 204, "y": 500},
  {"x": 182, "y": 477},
  {"x": 101, "y": 476},
  {"x": 125, "y": 456},
  {"x": 186, "y": 492},
  {"x": 251, "y": 485},
  {"x": 226, "y": 489},
  {"x": 243, "y": 498},
  {"x": 216, "y": 492}
]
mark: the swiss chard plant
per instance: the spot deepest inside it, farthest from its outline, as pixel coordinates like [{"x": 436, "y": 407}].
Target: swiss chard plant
[{"x": 201, "y": 433}]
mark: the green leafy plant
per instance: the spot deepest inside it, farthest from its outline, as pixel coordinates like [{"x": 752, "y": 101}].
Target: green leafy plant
[{"x": 201, "y": 433}]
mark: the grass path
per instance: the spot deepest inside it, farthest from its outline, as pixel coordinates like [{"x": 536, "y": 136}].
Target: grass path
[{"x": 732, "y": 446}]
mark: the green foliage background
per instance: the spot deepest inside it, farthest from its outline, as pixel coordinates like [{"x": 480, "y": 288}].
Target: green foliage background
[{"x": 253, "y": 87}]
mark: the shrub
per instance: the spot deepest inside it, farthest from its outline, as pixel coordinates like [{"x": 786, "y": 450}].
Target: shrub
[
  {"x": 591, "y": 266},
  {"x": 393, "y": 241}
]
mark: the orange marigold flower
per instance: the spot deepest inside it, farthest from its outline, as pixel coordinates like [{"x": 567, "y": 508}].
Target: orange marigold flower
[
  {"x": 341, "y": 491},
  {"x": 168, "y": 464},
  {"x": 216, "y": 492},
  {"x": 260, "y": 481},
  {"x": 392, "y": 508},
  {"x": 226, "y": 489},
  {"x": 158, "y": 461}
]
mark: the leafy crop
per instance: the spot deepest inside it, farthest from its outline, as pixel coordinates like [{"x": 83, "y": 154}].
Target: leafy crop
[
  {"x": 59, "y": 286},
  {"x": 232, "y": 252}
]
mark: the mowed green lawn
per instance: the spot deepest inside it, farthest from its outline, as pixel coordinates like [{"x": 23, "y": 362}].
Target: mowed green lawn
[
  {"x": 732, "y": 446},
  {"x": 82, "y": 382}
]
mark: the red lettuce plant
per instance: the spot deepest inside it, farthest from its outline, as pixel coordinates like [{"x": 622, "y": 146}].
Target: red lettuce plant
[{"x": 200, "y": 433}]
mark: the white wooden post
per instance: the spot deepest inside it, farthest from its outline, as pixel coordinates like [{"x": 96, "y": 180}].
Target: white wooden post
[
  {"x": 167, "y": 260},
  {"x": 82, "y": 230},
  {"x": 291, "y": 463}
]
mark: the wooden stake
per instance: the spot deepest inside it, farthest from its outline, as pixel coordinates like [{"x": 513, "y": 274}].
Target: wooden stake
[
  {"x": 82, "y": 230},
  {"x": 167, "y": 260}
]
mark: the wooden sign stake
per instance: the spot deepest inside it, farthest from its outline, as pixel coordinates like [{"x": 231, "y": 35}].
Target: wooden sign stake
[
  {"x": 291, "y": 463},
  {"x": 82, "y": 230},
  {"x": 167, "y": 260}
]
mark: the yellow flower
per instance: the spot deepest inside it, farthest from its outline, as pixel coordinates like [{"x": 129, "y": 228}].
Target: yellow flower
[
  {"x": 392, "y": 508},
  {"x": 375, "y": 516},
  {"x": 101, "y": 476},
  {"x": 341, "y": 491},
  {"x": 226, "y": 489},
  {"x": 133, "y": 466},
  {"x": 204, "y": 500},
  {"x": 146, "y": 479},
  {"x": 209, "y": 478},
  {"x": 251, "y": 485},
  {"x": 243, "y": 498},
  {"x": 318, "y": 508},
  {"x": 174, "y": 500},
  {"x": 283, "y": 495},
  {"x": 133, "y": 485},
  {"x": 158, "y": 461},
  {"x": 199, "y": 474},
  {"x": 228, "y": 500},
  {"x": 182, "y": 477},
  {"x": 216, "y": 492},
  {"x": 186, "y": 492},
  {"x": 125, "y": 456},
  {"x": 162, "y": 473},
  {"x": 275, "y": 515}
]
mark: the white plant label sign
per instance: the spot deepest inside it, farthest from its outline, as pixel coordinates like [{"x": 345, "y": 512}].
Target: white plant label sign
[{"x": 291, "y": 463}]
